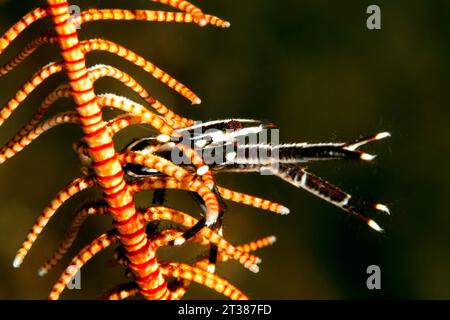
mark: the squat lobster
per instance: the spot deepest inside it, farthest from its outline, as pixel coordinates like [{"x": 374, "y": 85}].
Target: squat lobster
[
  {"x": 147, "y": 164},
  {"x": 105, "y": 164}
]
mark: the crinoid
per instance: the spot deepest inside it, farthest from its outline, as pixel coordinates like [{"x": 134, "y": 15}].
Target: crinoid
[{"x": 148, "y": 164}]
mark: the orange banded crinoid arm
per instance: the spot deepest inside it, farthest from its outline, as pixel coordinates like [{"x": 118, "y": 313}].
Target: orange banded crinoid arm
[
  {"x": 184, "y": 274},
  {"x": 105, "y": 164}
]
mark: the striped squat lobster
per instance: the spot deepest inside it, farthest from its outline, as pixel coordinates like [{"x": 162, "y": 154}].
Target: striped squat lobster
[{"x": 121, "y": 174}]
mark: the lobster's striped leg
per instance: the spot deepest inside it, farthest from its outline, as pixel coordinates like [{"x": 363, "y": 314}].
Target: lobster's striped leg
[
  {"x": 179, "y": 287},
  {"x": 360, "y": 142},
  {"x": 185, "y": 272},
  {"x": 180, "y": 174},
  {"x": 321, "y": 188},
  {"x": 218, "y": 227},
  {"x": 161, "y": 239},
  {"x": 265, "y": 154},
  {"x": 303, "y": 152},
  {"x": 163, "y": 213},
  {"x": 209, "y": 198}
]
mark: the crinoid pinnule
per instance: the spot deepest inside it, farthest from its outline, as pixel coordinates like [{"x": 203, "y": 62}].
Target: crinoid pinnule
[
  {"x": 148, "y": 164},
  {"x": 103, "y": 163}
]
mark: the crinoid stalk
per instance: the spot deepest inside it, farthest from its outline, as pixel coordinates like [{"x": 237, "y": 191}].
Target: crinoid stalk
[{"x": 147, "y": 164}]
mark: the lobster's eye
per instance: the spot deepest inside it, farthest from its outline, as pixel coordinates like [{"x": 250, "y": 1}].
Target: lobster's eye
[{"x": 234, "y": 125}]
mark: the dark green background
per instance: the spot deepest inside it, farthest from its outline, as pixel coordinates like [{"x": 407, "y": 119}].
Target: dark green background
[{"x": 316, "y": 70}]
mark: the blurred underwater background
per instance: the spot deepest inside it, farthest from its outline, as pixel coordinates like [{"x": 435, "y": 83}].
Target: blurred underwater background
[{"x": 314, "y": 69}]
